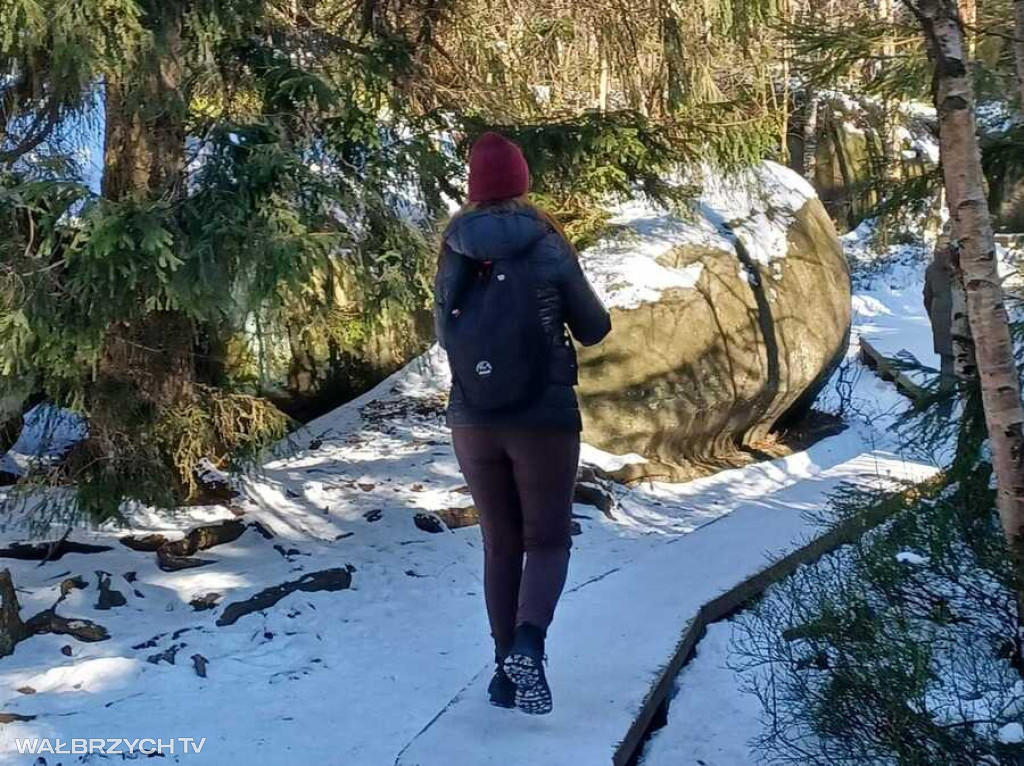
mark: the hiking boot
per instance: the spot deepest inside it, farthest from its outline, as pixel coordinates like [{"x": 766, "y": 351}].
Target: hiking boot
[
  {"x": 501, "y": 691},
  {"x": 525, "y": 666}
]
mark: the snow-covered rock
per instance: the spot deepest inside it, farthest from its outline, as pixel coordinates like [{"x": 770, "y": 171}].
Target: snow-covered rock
[{"x": 722, "y": 321}]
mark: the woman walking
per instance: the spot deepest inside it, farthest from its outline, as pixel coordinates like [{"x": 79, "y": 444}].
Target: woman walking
[{"x": 508, "y": 284}]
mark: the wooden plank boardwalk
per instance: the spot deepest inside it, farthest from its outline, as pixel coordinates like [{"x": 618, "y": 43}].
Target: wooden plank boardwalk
[{"x": 619, "y": 642}]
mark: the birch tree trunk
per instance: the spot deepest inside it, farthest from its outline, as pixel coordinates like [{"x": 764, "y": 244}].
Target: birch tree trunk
[
  {"x": 972, "y": 228},
  {"x": 809, "y": 166},
  {"x": 1018, "y": 46}
]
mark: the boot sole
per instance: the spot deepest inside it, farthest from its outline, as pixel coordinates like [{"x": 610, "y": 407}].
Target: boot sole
[{"x": 533, "y": 695}]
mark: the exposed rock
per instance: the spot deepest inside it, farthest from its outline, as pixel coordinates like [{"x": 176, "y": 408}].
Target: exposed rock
[
  {"x": 150, "y": 643},
  {"x": 207, "y": 536},
  {"x": 311, "y": 378},
  {"x": 108, "y": 597},
  {"x": 746, "y": 325},
  {"x": 171, "y": 563},
  {"x": 177, "y": 555},
  {"x": 592, "y": 490},
  {"x": 456, "y": 518},
  {"x": 375, "y": 515},
  {"x": 72, "y": 583},
  {"x": 17, "y": 718},
  {"x": 48, "y": 621},
  {"x": 288, "y": 553},
  {"x": 49, "y": 551},
  {"x": 66, "y": 650},
  {"x": 263, "y": 530},
  {"x": 326, "y": 580},
  {"x": 167, "y": 655},
  {"x": 849, "y": 148},
  {"x": 199, "y": 663},
  {"x": 145, "y": 543},
  {"x": 428, "y": 523},
  {"x": 202, "y": 603}
]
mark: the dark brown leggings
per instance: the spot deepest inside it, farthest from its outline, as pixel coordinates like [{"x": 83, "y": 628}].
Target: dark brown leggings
[{"x": 522, "y": 482}]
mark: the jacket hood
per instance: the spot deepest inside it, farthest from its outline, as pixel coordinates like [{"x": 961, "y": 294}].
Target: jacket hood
[{"x": 495, "y": 235}]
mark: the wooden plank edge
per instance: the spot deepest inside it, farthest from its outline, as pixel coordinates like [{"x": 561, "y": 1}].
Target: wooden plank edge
[
  {"x": 732, "y": 601},
  {"x": 882, "y": 366}
]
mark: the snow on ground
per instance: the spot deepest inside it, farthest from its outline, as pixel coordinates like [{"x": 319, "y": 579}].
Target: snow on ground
[{"x": 345, "y": 677}]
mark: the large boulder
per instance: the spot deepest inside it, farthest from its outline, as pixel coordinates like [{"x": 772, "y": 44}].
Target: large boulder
[
  {"x": 849, "y": 152},
  {"x": 722, "y": 323}
]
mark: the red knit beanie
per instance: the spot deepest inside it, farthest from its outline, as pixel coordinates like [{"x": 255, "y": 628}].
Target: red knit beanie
[{"x": 497, "y": 169}]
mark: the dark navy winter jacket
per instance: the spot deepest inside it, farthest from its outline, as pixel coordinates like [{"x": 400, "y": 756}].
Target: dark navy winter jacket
[{"x": 564, "y": 295}]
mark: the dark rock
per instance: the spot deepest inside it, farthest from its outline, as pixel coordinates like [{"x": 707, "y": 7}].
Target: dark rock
[
  {"x": 130, "y": 577},
  {"x": 595, "y": 495},
  {"x": 72, "y": 583},
  {"x": 288, "y": 553},
  {"x": 206, "y": 536},
  {"x": 48, "y": 621},
  {"x": 16, "y": 718},
  {"x": 66, "y": 650},
  {"x": 150, "y": 643},
  {"x": 428, "y": 523},
  {"x": 51, "y": 551},
  {"x": 375, "y": 515},
  {"x": 202, "y": 603},
  {"x": 575, "y": 528},
  {"x": 146, "y": 543},
  {"x": 326, "y": 580},
  {"x": 199, "y": 663},
  {"x": 177, "y": 555},
  {"x": 213, "y": 491},
  {"x": 167, "y": 655},
  {"x": 108, "y": 598},
  {"x": 170, "y": 563},
  {"x": 263, "y": 530}
]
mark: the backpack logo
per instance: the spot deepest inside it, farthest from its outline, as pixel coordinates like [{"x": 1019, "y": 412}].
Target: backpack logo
[{"x": 483, "y": 369}]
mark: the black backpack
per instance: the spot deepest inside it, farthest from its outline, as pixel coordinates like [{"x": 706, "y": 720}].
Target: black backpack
[{"x": 492, "y": 330}]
